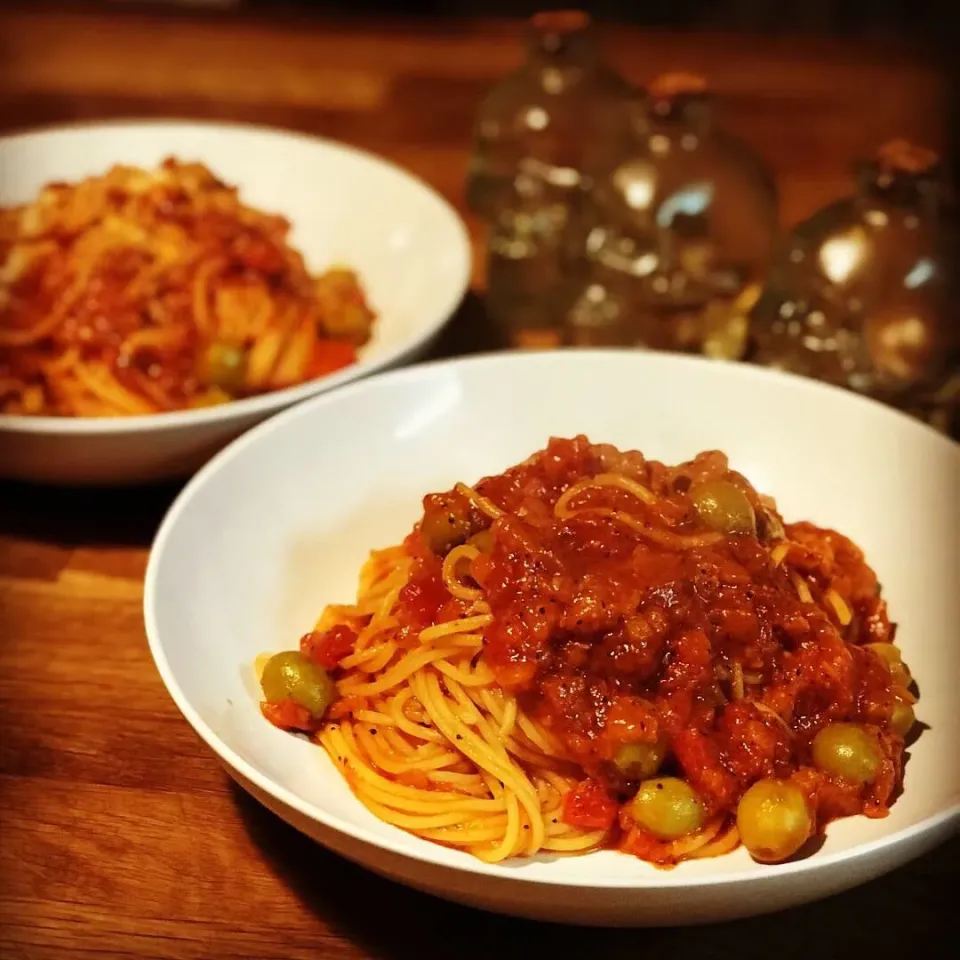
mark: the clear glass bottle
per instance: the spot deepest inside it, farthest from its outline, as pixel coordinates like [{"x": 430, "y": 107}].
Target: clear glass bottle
[
  {"x": 539, "y": 134},
  {"x": 856, "y": 297},
  {"x": 677, "y": 233}
]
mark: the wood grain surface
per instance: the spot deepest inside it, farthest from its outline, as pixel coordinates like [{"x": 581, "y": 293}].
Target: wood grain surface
[{"x": 120, "y": 836}]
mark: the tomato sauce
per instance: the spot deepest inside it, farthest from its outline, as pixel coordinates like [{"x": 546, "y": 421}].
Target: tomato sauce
[
  {"x": 632, "y": 620},
  {"x": 153, "y": 278}
]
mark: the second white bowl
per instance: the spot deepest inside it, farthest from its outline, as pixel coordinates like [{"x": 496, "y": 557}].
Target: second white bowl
[{"x": 408, "y": 245}]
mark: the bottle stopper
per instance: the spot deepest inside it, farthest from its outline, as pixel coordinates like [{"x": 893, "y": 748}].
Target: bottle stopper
[
  {"x": 556, "y": 29},
  {"x": 560, "y": 22},
  {"x": 901, "y": 156}
]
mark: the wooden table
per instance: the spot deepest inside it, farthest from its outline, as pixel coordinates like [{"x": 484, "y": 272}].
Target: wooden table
[{"x": 120, "y": 835}]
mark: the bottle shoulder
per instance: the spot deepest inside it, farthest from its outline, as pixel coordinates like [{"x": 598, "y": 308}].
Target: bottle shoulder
[{"x": 571, "y": 92}]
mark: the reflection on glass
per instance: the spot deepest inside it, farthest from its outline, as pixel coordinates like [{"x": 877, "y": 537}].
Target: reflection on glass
[
  {"x": 692, "y": 200},
  {"x": 677, "y": 234},
  {"x": 921, "y": 273},
  {"x": 856, "y": 296},
  {"x": 540, "y": 134},
  {"x": 842, "y": 255}
]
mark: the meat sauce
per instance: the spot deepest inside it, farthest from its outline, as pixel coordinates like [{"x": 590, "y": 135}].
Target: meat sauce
[
  {"x": 620, "y": 620},
  {"x": 176, "y": 272}
]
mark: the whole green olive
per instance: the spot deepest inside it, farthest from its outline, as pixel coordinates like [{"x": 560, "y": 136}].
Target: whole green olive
[
  {"x": 667, "y": 807},
  {"x": 889, "y": 654},
  {"x": 291, "y": 675},
  {"x": 723, "y": 507},
  {"x": 224, "y": 365},
  {"x": 637, "y": 761},
  {"x": 774, "y": 820},
  {"x": 446, "y": 522},
  {"x": 902, "y": 717},
  {"x": 847, "y": 751}
]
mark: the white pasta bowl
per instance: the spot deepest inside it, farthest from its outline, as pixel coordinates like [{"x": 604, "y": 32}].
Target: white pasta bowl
[
  {"x": 408, "y": 246},
  {"x": 278, "y": 525}
]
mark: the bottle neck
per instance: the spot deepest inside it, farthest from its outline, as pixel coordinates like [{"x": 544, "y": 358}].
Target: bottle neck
[
  {"x": 902, "y": 178},
  {"x": 679, "y": 101},
  {"x": 682, "y": 112},
  {"x": 888, "y": 200}
]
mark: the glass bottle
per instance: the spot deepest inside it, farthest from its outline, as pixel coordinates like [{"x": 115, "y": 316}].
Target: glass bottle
[
  {"x": 538, "y": 135},
  {"x": 857, "y": 296},
  {"x": 676, "y": 235}
]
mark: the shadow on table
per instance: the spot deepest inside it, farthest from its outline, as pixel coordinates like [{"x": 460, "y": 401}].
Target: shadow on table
[
  {"x": 391, "y": 922},
  {"x": 470, "y": 331},
  {"x": 84, "y": 516}
]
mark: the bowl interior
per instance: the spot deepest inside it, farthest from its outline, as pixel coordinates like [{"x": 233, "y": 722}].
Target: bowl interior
[
  {"x": 279, "y": 524},
  {"x": 346, "y": 207}
]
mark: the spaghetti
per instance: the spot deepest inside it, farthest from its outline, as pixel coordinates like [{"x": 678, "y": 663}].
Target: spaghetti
[
  {"x": 593, "y": 650},
  {"x": 140, "y": 292}
]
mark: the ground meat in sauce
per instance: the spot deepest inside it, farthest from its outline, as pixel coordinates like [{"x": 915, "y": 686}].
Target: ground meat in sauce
[{"x": 606, "y": 635}]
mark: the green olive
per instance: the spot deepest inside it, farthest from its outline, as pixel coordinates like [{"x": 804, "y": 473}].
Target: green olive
[
  {"x": 902, "y": 717},
  {"x": 774, "y": 820},
  {"x": 637, "y": 761},
  {"x": 291, "y": 675},
  {"x": 224, "y": 365},
  {"x": 889, "y": 653},
  {"x": 446, "y": 522},
  {"x": 668, "y": 808},
  {"x": 723, "y": 507},
  {"x": 847, "y": 751}
]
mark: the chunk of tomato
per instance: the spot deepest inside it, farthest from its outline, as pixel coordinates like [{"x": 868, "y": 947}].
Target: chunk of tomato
[
  {"x": 589, "y": 806},
  {"x": 420, "y": 600},
  {"x": 288, "y": 715},
  {"x": 328, "y": 648},
  {"x": 330, "y": 355}
]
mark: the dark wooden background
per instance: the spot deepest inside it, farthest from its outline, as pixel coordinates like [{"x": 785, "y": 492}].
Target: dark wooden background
[
  {"x": 848, "y": 17},
  {"x": 120, "y": 836}
]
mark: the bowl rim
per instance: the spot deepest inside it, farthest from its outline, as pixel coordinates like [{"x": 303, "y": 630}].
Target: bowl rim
[
  {"x": 264, "y": 403},
  {"x": 415, "y": 848}
]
